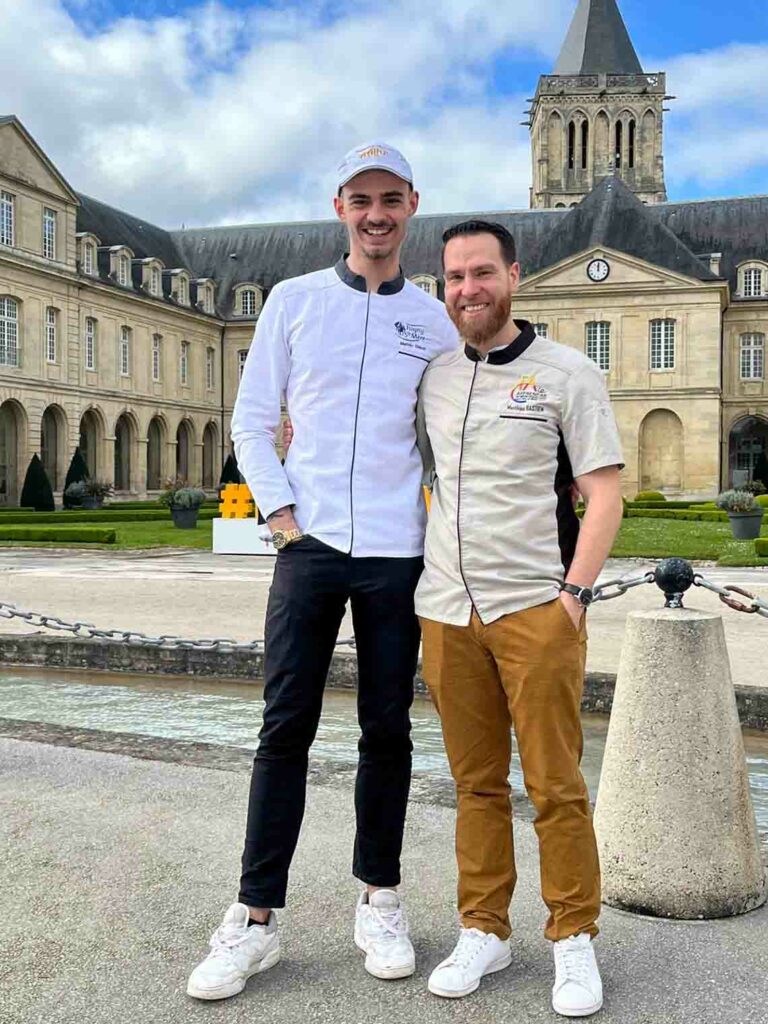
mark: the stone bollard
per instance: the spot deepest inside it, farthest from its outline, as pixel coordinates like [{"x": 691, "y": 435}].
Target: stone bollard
[{"x": 674, "y": 818}]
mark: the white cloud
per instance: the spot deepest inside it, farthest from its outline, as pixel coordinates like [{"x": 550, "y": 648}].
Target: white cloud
[
  {"x": 226, "y": 115},
  {"x": 231, "y": 115},
  {"x": 716, "y": 129}
]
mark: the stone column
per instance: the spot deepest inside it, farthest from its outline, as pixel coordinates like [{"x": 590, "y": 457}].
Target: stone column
[{"x": 674, "y": 818}]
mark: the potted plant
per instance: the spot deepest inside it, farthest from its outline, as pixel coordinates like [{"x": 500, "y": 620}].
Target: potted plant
[
  {"x": 744, "y": 513},
  {"x": 74, "y": 494},
  {"x": 756, "y": 487},
  {"x": 184, "y": 503},
  {"x": 94, "y": 493}
]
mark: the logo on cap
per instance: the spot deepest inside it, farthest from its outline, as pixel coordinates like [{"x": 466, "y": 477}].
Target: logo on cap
[{"x": 365, "y": 154}]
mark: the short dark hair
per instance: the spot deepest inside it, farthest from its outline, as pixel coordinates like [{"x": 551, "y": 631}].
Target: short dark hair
[{"x": 484, "y": 227}]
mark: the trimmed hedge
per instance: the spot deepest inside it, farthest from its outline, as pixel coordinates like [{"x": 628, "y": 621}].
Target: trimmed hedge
[
  {"x": 5, "y": 509},
  {"x": 678, "y": 513},
  {"x": 762, "y": 500},
  {"x": 649, "y": 496},
  {"x": 666, "y": 504},
  {"x": 761, "y": 547},
  {"x": 148, "y": 506},
  {"x": 101, "y": 515},
  {"x": 68, "y": 534}
]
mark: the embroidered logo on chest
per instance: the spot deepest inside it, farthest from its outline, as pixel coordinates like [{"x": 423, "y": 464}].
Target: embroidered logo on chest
[{"x": 526, "y": 397}]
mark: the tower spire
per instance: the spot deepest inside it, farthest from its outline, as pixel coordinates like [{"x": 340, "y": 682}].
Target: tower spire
[{"x": 598, "y": 43}]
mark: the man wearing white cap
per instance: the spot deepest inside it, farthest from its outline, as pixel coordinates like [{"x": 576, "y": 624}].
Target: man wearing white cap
[{"x": 347, "y": 347}]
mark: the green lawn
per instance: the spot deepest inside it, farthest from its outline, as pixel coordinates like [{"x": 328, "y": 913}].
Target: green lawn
[
  {"x": 662, "y": 538},
  {"x": 638, "y": 538}
]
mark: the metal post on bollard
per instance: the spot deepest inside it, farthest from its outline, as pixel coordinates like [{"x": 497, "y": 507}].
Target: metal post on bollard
[{"x": 674, "y": 818}]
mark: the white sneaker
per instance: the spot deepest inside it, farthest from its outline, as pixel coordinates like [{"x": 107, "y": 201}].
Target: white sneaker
[
  {"x": 578, "y": 990},
  {"x": 476, "y": 954},
  {"x": 381, "y": 931},
  {"x": 237, "y": 952}
]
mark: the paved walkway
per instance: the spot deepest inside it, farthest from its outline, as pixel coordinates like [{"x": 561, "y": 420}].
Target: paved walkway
[
  {"x": 114, "y": 870},
  {"x": 199, "y": 594}
]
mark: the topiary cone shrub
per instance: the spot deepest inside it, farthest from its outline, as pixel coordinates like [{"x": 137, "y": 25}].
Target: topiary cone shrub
[{"x": 37, "y": 492}]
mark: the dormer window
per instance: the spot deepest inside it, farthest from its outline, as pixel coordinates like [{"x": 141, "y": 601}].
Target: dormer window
[
  {"x": 120, "y": 257},
  {"x": 205, "y": 295},
  {"x": 152, "y": 277},
  {"x": 753, "y": 280},
  {"x": 248, "y": 300},
  {"x": 180, "y": 287},
  {"x": 87, "y": 254},
  {"x": 427, "y": 283}
]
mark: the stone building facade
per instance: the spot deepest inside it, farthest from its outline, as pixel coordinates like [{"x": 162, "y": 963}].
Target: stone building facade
[{"x": 128, "y": 339}]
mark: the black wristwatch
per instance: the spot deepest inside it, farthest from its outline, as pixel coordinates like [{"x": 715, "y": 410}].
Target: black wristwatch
[{"x": 584, "y": 595}]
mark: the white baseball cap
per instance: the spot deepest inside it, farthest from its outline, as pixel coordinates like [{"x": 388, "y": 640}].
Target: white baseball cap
[{"x": 373, "y": 156}]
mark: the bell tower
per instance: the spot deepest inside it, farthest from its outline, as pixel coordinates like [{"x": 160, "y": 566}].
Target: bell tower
[{"x": 597, "y": 114}]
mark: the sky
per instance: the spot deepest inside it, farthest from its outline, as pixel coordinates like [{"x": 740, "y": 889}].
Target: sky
[{"x": 204, "y": 112}]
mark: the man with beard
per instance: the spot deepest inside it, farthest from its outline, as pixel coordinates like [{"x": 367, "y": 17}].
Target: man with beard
[
  {"x": 347, "y": 346},
  {"x": 513, "y": 419}
]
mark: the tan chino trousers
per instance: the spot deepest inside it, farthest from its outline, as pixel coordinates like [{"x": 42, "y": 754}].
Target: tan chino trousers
[{"x": 524, "y": 670}]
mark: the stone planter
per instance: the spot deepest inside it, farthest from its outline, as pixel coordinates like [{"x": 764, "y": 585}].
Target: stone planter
[
  {"x": 746, "y": 525},
  {"x": 184, "y": 518}
]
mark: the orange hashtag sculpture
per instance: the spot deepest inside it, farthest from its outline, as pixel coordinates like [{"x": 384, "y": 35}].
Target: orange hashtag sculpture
[{"x": 236, "y": 502}]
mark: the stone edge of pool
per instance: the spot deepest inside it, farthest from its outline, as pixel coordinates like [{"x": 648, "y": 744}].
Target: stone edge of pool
[{"x": 33, "y": 650}]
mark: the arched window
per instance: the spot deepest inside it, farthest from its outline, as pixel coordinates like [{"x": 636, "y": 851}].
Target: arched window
[
  {"x": 584, "y": 143},
  {"x": 632, "y": 138},
  {"x": 571, "y": 146},
  {"x": 9, "y": 332},
  {"x": 249, "y": 299},
  {"x": 427, "y": 284},
  {"x": 752, "y": 356},
  {"x": 619, "y": 144},
  {"x": 663, "y": 344},
  {"x": 598, "y": 344},
  {"x": 753, "y": 282}
]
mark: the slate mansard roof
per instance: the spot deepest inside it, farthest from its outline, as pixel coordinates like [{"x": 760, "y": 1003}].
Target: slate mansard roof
[{"x": 676, "y": 236}]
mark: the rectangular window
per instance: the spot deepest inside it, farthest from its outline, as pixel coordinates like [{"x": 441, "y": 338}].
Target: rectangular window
[
  {"x": 90, "y": 343},
  {"x": 542, "y": 330},
  {"x": 242, "y": 355},
  {"x": 49, "y": 234},
  {"x": 248, "y": 302},
  {"x": 181, "y": 290},
  {"x": 123, "y": 271},
  {"x": 210, "y": 369},
  {"x": 50, "y": 334},
  {"x": 662, "y": 344},
  {"x": 184, "y": 363},
  {"x": 9, "y": 332},
  {"x": 7, "y": 212},
  {"x": 753, "y": 283},
  {"x": 88, "y": 258},
  {"x": 599, "y": 344},
  {"x": 125, "y": 351},
  {"x": 157, "y": 344},
  {"x": 752, "y": 356},
  {"x": 155, "y": 285}
]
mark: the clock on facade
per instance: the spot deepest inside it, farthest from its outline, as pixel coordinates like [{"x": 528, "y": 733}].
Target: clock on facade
[{"x": 598, "y": 270}]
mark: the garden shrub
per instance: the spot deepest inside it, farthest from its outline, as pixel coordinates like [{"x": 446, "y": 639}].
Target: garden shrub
[
  {"x": 649, "y": 496},
  {"x": 63, "y": 534}
]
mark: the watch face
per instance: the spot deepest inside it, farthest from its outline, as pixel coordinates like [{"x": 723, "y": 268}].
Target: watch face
[
  {"x": 279, "y": 539},
  {"x": 598, "y": 270}
]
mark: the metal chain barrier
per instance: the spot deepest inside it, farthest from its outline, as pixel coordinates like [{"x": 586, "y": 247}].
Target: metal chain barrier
[
  {"x": 674, "y": 576},
  {"x": 87, "y": 631}
]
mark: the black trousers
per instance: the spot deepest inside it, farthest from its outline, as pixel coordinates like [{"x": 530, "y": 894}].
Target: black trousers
[{"x": 310, "y": 590}]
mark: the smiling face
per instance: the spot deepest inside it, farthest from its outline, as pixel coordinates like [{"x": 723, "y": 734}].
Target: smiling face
[
  {"x": 376, "y": 207},
  {"x": 478, "y": 287}
]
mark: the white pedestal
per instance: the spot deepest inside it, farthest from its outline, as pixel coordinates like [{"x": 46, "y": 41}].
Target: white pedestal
[{"x": 241, "y": 537}]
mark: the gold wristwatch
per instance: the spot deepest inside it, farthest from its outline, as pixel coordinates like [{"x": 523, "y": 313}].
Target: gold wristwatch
[{"x": 282, "y": 538}]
